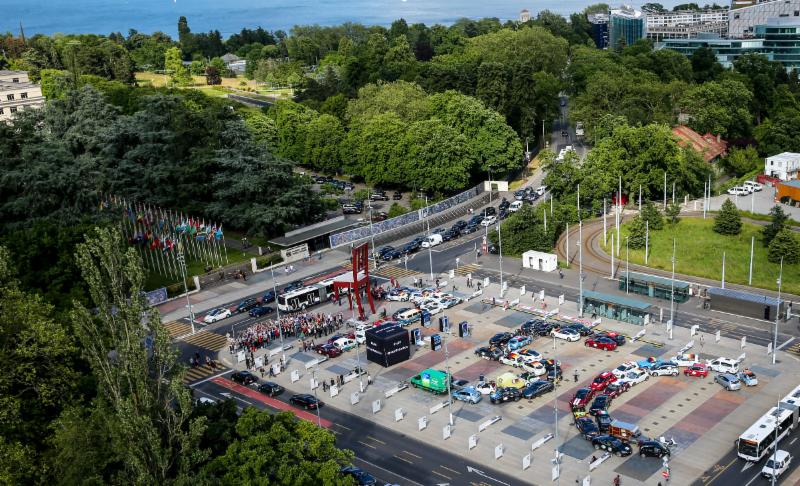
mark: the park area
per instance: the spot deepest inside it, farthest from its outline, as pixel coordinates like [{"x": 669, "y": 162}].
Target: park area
[{"x": 699, "y": 252}]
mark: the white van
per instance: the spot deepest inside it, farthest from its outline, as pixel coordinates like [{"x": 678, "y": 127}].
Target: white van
[
  {"x": 724, "y": 365},
  {"x": 432, "y": 240},
  {"x": 409, "y": 316},
  {"x": 777, "y": 463},
  {"x": 345, "y": 344},
  {"x": 753, "y": 186},
  {"x": 515, "y": 206}
]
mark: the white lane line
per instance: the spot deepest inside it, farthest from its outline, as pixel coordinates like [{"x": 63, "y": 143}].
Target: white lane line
[
  {"x": 786, "y": 343},
  {"x": 792, "y": 441},
  {"x": 210, "y": 378},
  {"x": 386, "y": 470}
]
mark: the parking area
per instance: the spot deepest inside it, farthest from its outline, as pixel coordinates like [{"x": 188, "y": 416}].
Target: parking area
[{"x": 521, "y": 437}]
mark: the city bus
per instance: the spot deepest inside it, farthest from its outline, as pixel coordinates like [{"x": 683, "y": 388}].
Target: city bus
[
  {"x": 310, "y": 295},
  {"x": 758, "y": 440}
]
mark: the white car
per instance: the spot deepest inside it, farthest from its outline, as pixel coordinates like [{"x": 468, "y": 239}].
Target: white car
[
  {"x": 753, "y": 185},
  {"x": 634, "y": 377},
  {"x": 448, "y": 302},
  {"x": 777, "y": 464},
  {"x": 686, "y": 359},
  {"x": 534, "y": 367},
  {"x": 664, "y": 370},
  {"x": 397, "y": 296},
  {"x": 541, "y": 190},
  {"x": 485, "y": 388},
  {"x": 515, "y": 206},
  {"x": 217, "y": 315},
  {"x": 623, "y": 369},
  {"x": 738, "y": 191},
  {"x": 512, "y": 359},
  {"x": 567, "y": 334},
  {"x": 345, "y": 344},
  {"x": 361, "y": 336},
  {"x": 723, "y": 365},
  {"x": 432, "y": 307},
  {"x": 489, "y": 220}
]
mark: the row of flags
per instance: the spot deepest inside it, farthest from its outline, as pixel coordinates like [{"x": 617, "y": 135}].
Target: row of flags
[{"x": 164, "y": 236}]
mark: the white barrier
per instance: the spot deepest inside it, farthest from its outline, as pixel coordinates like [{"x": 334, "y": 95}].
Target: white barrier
[
  {"x": 498, "y": 451},
  {"x": 259, "y": 361},
  {"x": 276, "y": 369},
  {"x": 513, "y": 303},
  {"x": 489, "y": 422},
  {"x": 334, "y": 391},
  {"x": 486, "y": 282},
  {"x": 473, "y": 441},
  {"x": 446, "y": 432},
  {"x": 391, "y": 391},
  {"x": 312, "y": 363},
  {"x": 354, "y": 398},
  {"x": 505, "y": 287},
  {"x": 422, "y": 423},
  {"x": 376, "y": 406},
  {"x": 295, "y": 376},
  {"x": 240, "y": 356},
  {"x": 437, "y": 407},
  {"x": 541, "y": 295},
  {"x": 273, "y": 352},
  {"x": 398, "y": 414},
  {"x": 694, "y": 329},
  {"x": 769, "y": 348},
  {"x": 539, "y": 443},
  {"x": 452, "y": 274},
  {"x": 477, "y": 293},
  {"x": 718, "y": 336},
  {"x": 741, "y": 357},
  {"x": 744, "y": 341},
  {"x": 561, "y": 299},
  {"x": 522, "y": 291},
  {"x": 313, "y": 382},
  {"x": 639, "y": 335},
  {"x": 526, "y": 461},
  {"x": 599, "y": 461},
  {"x": 688, "y": 346}
]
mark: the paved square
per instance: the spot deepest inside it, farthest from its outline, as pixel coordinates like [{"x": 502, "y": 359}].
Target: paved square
[
  {"x": 338, "y": 369},
  {"x": 578, "y": 447},
  {"x": 303, "y": 357},
  {"x": 519, "y": 432},
  {"x": 468, "y": 415},
  {"x": 512, "y": 320},
  {"x": 649, "y": 350},
  {"x": 639, "y": 467},
  {"x": 760, "y": 370},
  {"x": 477, "y": 308}
]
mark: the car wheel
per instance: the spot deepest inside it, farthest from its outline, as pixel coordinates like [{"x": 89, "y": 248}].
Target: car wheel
[
  {"x": 618, "y": 454},
  {"x": 675, "y": 374},
  {"x": 597, "y": 446}
]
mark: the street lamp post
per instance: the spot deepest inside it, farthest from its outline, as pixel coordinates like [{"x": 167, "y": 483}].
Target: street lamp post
[
  {"x": 672, "y": 293},
  {"x": 316, "y": 385},
  {"x": 580, "y": 268},
  {"x": 358, "y": 355},
  {"x": 627, "y": 266},
  {"x": 278, "y": 314},
  {"x": 182, "y": 261},
  {"x": 449, "y": 376},
  {"x": 777, "y": 316},
  {"x": 500, "y": 245},
  {"x": 430, "y": 247}
]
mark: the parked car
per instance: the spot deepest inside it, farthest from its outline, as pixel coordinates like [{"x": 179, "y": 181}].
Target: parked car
[
  {"x": 261, "y": 310},
  {"x": 490, "y": 220},
  {"x": 614, "y": 336},
  {"x": 505, "y": 394},
  {"x": 748, "y": 377},
  {"x": 587, "y": 427},
  {"x": 500, "y": 338},
  {"x": 306, "y": 401},
  {"x": 504, "y": 204},
  {"x": 384, "y": 250},
  {"x": 297, "y": 284},
  {"x": 515, "y": 206},
  {"x": 397, "y": 195},
  {"x": 361, "y": 477},
  {"x": 634, "y": 377},
  {"x": 728, "y": 381},
  {"x": 723, "y": 365},
  {"x": 468, "y": 394},
  {"x": 398, "y": 295},
  {"x": 603, "y": 343},
  {"x": 753, "y": 186},
  {"x": 518, "y": 342},
  {"x": 653, "y": 448},
  {"x": 582, "y": 397},
  {"x": 491, "y": 353},
  {"x": 604, "y": 421},
  {"x": 697, "y": 369},
  {"x": 533, "y": 367},
  {"x": 378, "y": 196},
  {"x": 392, "y": 255},
  {"x": 537, "y": 388},
  {"x": 624, "y": 368},
  {"x": 582, "y": 329},
  {"x": 567, "y": 333},
  {"x": 328, "y": 350},
  {"x": 217, "y": 314},
  {"x": 243, "y": 377},
  {"x": 485, "y": 388},
  {"x": 470, "y": 228},
  {"x": 345, "y": 344},
  {"x": 269, "y": 296},
  {"x": 617, "y": 388},
  {"x": 544, "y": 328},
  {"x": 600, "y": 404},
  {"x": 664, "y": 369},
  {"x": 685, "y": 359},
  {"x": 652, "y": 361},
  {"x": 777, "y": 464},
  {"x": 612, "y": 445},
  {"x": 602, "y": 381},
  {"x": 270, "y": 389},
  {"x": 738, "y": 191}
]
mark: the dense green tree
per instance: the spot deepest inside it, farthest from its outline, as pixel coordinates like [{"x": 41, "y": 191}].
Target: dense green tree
[
  {"x": 777, "y": 224},
  {"x": 673, "y": 212},
  {"x": 721, "y": 108},
  {"x": 524, "y": 231},
  {"x": 533, "y": 44},
  {"x": 728, "y": 221},
  {"x": 292, "y": 120},
  {"x": 704, "y": 65},
  {"x": 784, "y": 245},
  {"x": 374, "y": 149},
  {"x": 561, "y": 177},
  {"x": 741, "y": 161},
  {"x": 637, "y": 233},
  {"x": 779, "y": 133},
  {"x": 652, "y": 216},
  {"x": 399, "y": 62},
  {"x": 178, "y": 74},
  {"x": 263, "y": 128},
  {"x": 762, "y": 78},
  {"x": 407, "y": 100},
  {"x": 212, "y": 75},
  {"x": 324, "y": 144},
  {"x": 436, "y": 157},
  {"x": 397, "y": 210}
]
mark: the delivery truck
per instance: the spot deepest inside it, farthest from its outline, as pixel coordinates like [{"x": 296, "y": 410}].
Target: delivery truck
[
  {"x": 432, "y": 380},
  {"x": 624, "y": 430}
]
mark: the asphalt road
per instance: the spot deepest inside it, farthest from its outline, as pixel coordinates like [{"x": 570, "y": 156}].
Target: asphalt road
[{"x": 391, "y": 457}]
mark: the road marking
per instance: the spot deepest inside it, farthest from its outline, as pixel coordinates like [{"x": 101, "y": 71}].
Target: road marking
[
  {"x": 442, "y": 475},
  {"x": 786, "y": 343},
  {"x": 342, "y": 426},
  {"x": 792, "y": 441},
  {"x": 413, "y": 455},
  {"x": 375, "y": 466},
  {"x": 747, "y": 466},
  {"x": 754, "y": 478},
  {"x": 451, "y": 470},
  {"x": 402, "y": 459},
  {"x": 210, "y": 378},
  {"x": 368, "y": 445},
  {"x": 721, "y": 469},
  {"x": 376, "y": 440}
]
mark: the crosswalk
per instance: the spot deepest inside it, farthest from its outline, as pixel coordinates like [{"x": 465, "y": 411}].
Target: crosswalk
[
  {"x": 387, "y": 271},
  {"x": 197, "y": 373},
  {"x": 794, "y": 349},
  {"x": 208, "y": 340},
  {"x": 177, "y": 328},
  {"x": 463, "y": 270}
]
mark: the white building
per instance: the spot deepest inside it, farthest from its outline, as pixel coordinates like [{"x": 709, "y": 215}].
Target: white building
[
  {"x": 17, "y": 93},
  {"x": 782, "y": 166},
  {"x": 524, "y": 15},
  {"x": 685, "y": 24},
  {"x": 537, "y": 260},
  {"x": 742, "y": 21}
]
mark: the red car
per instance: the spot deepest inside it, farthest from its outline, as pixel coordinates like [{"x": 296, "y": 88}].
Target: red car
[
  {"x": 582, "y": 398},
  {"x": 604, "y": 343},
  {"x": 328, "y": 350},
  {"x": 602, "y": 381},
  {"x": 697, "y": 369},
  {"x": 617, "y": 388}
]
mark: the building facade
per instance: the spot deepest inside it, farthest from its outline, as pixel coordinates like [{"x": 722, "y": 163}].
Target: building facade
[
  {"x": 625, "y": 24},
  {"x": 783, "y": 166},
  {"x": 743, "y": 21},
  {"x": 685, "y": 24},
  {"x": 17, "y": 93},
  {"x": 599, "y": 23},
  {"x": 524, "y": 15}
]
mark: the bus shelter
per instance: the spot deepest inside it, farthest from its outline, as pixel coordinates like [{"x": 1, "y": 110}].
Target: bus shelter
[
  {"x": 654, "y": 286},
  {"x": 617, "y": 307}
]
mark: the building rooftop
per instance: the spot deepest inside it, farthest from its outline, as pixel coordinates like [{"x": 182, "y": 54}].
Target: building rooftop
[
  {"x": 617, "y": 300},
  {"x": 791, "y": 183},
  {"x": 709, "y": 145},
  {"x": 741, "y": 295},
  {"x": 627, "y": 11},
  {"x": 302, "y": 235},
  {"x": 4, "y": 72},
  {"x": 641, "y": 277}
]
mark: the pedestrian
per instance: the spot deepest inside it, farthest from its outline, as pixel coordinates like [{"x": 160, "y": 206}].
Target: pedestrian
[
  {"x": 617, "y": 480},
  {"x": 341, "y": 380},
  {"x": 493, "y": 302},
  {"x": 702, "y": 341},
  {"x": 560, "y": 274},
  {"x": 324, "y": 386},
  {"x": 454, "y": 287},
  {"x": 437, "y": 283},
  {"x": 479, "y": 285},
  {"x": 369, "y": 379},
  {"x": 576, "y": 376},
  {"x": 332, "y": 382}
]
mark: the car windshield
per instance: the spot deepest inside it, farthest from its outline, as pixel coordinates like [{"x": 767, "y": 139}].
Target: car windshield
[{"x": 770, "y": 464}]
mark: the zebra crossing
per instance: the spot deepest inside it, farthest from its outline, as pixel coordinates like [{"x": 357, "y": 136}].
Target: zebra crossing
[
  {"x": 208, "y": 340},
  {"x": 197, "y": 373},
  {"x": 794, "y": 349},
  {"x": 467, "y": 269},
  {"x": 177, "y": 328},
  {"x": 387, "y": 271}
]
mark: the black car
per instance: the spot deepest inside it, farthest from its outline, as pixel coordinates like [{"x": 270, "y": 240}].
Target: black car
[
  {"x": 450, "y": 235},
  {"x": 391, "y": 255},
  {"x": 503, "y": 214},
  {"x": 459, "y": 224},
  {"x": 269, "y": 296},
  {"x": 476, "y": 220},
  {"x": 261, "y": 310},
  {"x": 529, "y": 326},
  {"x": 417, "y": 242},
  {"x": 600, "y": 404},
  {"x": 363, "y": 478},
  {"x": 438, "y": 231},
  {"x": 500, "y": 338},
  {"x": 506, "y": 394},
  {"x": 384, "y": 250},
  {"x": 397, "y": 195},
  {"x": 582, "y": 329},
  {"x": 243, "y": 377},
  {"x": 519, "y": 195},
  {"x": 504, "y": 204},
  {"x": 408, "y": 248},
  {"x": 603, "y": 421},
  {"x": 489, "y": 353},
  {"x": 653, "y": 448},
  {"x": 493, "y": 249},
  {"x": 270, "y": 389},
  {"x": 543, "y": 328},
  {"x": 297, "y": 284},
  {"x": 554, "y": 374},
  {"x": 306, "y": 401},
  {"x": 537, "y": 388},
  {"x": 617, "y": 338},
  {"x": 351, "y": 209},
  {"x": 470, "y": 228},
  {"x": 612, "y": 445},
  {"x": 246, "y": 304},
  {"x": 564, "y": 133},
  {"x": 488, "y": 211},
  {"x": 588, "y": 429}
]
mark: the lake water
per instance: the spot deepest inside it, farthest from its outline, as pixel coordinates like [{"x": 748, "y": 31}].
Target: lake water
[{"x": 229, "y": 16}]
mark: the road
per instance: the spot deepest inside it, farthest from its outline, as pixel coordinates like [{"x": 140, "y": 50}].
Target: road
[{"x": 557, "y": 140}]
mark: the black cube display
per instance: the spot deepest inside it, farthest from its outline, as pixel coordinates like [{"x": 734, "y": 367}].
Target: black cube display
[{"x": 388, "y": 345}]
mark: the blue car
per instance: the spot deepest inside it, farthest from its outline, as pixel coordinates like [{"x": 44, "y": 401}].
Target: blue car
[
  {"x": 650, "y": 362},
  {"x": 261, "y": 311},
  {"x": 268, "y": 297},
  {"x": 468, "y": 394},
  {"x": 518, "y": 342}
]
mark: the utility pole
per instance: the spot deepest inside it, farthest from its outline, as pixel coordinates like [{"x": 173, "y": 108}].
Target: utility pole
[
  {"x": 752, "y": 247},
  {"x": 605, "y": 237},
  {"x": 278, "y": 314},
  {"x": 500, "y": 245},
  {"x": 580, "y": 268},
  {"x": 672, "y": 293},
  {"x": 449, "y": 376},
  {"x": 627, "y": 266},
  {"x": 777, "y": 316},
  {"x": 665, "y": 190},
  {"x": 182, "y": 261},
  {"x": 372, "y": 236},
  {"x": 723, "y": 269},
  {"x": 612, "y": 255},
  {"x": 646, "y": 240},
  {"x": 430, "y": 247}
]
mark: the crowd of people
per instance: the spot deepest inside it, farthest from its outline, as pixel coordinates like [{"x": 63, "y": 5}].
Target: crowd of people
[{"x": 300, "y": 325}]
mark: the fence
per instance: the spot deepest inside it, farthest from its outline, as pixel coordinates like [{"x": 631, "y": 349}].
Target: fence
[{"x": 398, "y": 222}]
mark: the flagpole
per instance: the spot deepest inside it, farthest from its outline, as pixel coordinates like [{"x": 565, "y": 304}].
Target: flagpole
[{"x": 224, "y": 248}]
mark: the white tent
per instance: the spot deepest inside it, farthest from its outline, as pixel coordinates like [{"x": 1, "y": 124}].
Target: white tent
[{"x": 537, "y": 260}]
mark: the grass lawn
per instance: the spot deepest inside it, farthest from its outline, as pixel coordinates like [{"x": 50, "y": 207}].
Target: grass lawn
[
  {"x": 156, "y": 280},
  {"x": 699, "y": 252}
]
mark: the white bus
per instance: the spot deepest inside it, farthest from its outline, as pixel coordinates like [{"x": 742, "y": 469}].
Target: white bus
[
  {"x": 759, "y": 439},
  {"x": 308, "y": 296}
]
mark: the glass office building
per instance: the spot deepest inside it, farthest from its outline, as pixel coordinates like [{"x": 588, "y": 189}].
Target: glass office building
[{"x": 625, "y": 24}]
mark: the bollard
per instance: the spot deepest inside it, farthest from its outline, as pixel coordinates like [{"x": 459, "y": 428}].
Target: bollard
[
  {"x": 718, "y": 336},
  {"x": 473, "y": 441},
  {"x": 422, "y": 423},
  {"x": 498, "y": 451},
  {"x": 334, "y": 391},
  {"x": 526, "y": 461},
  {"x": 376, "y": 406},
  {"x": 398, "y": 414},
  {"x": 446, "y": 432},
  {"x": 489, "y": 422},
  {"x": 295, "y": 376},
  {"x": 354, "y": 398}
]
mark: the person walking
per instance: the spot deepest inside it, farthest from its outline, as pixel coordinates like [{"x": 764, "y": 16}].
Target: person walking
[
  {"x": 576, "y": 376},
  {"x": 617, "y": 480}
]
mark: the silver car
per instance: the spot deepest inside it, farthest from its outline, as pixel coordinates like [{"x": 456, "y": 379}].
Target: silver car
[{"x": 728, "y": 381}]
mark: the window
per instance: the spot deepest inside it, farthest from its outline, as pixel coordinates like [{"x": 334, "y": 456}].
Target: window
[
  {"x": 15, "y": 80},
  {"x": 23, "y": 96},
  {"x": 13, "y": 109},
  {"x": 797, "y": 13},
  {"x": 1, "y": 111},
  {"x": 10, "y": 97}
]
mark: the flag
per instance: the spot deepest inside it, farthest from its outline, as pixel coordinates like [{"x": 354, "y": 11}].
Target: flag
[{"x": 218, "y": 233}]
